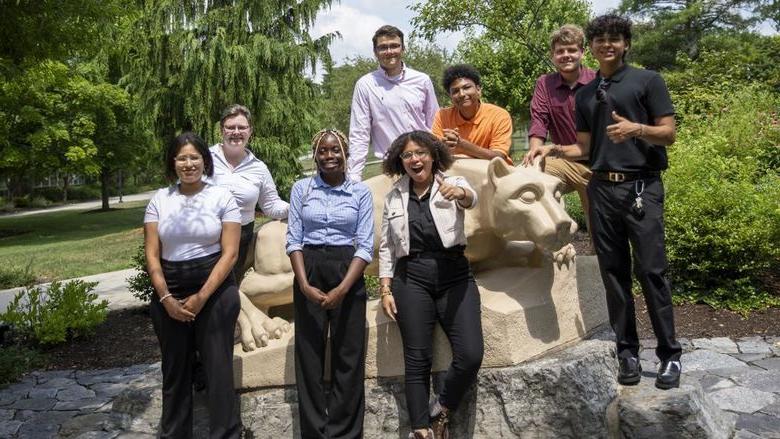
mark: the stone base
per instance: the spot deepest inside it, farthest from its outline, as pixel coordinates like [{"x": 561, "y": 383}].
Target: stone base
[{"x": 526, "y": 312}]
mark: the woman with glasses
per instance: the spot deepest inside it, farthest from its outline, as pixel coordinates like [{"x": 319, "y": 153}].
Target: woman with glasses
[
  {"x": 330, "y": 239},
  {"x": 425, "y": 277},
  {"x": 246, "y": 176},
  {"x": 191, "y": 234}
]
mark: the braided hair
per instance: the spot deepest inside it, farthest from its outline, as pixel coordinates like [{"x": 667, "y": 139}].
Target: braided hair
[{"x": 321, "y": 134}]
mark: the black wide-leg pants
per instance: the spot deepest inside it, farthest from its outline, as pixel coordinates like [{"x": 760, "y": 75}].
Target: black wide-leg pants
[
  {"x": 211, "y": 334},
  {"x": 426, "y": 291},
  {"x": 339, "y": 413},
  {"x": 614, "y": 226}
]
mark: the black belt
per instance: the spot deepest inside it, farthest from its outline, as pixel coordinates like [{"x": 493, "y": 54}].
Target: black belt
[
  {"x": 619, "y": 177},
  {"x": 436, "y": 255}
]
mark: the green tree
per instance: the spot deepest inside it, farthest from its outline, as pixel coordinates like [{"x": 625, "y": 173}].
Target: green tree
[
  {"x": 507, "y": 40},
  {"x": 666, "y": 27},
  {"x": 339, "y": 81},
  {"x": 187, "y": 60}
]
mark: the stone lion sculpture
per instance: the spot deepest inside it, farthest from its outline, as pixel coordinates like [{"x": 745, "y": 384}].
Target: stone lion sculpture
[{"x": 520, "y": 218}]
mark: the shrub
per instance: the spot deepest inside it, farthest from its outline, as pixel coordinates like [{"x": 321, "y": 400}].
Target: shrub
[
  {"x": 39, "y": 202},
  {"x": 722, "y": 213},
  {"x": 11, "y": 277},
  {"x": 574, "y": 209},
  {"x": 51, "y": 316},
  {"x": 140, "y": 284},
  {"x": 15, "y": 361}
]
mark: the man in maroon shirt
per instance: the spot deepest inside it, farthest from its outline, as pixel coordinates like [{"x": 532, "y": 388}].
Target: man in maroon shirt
[{"x": 552, "y": 110}]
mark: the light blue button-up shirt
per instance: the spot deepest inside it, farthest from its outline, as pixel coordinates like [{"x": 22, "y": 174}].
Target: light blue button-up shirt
[{"x": 321, "y": 214}]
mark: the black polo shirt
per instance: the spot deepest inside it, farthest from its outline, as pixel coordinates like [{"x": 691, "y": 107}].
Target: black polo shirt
[{"x": 638, "y": 95}]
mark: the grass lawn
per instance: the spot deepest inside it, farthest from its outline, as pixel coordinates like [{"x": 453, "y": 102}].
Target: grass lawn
[{"x": 63, "y": 245}]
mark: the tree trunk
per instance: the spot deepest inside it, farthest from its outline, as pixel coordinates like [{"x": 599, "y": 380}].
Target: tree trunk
[
  {"x": 105, "y": 180},
  {"x": 65, "y": 181}
]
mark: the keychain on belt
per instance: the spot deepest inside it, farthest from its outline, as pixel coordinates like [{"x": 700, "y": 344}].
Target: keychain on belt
[{"x": 637, "y": 208}]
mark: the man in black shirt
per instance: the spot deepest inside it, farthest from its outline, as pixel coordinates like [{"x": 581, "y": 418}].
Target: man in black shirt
[{"x": 625, "y": 121}]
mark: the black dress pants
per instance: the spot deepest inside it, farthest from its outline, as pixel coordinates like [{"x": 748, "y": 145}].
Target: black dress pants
[
  {"x": 614, "y": 226},
  {"x": 339, "y": 413},
  {"x": 212, "y": 335},
  {"x": 426, "y": 291}
]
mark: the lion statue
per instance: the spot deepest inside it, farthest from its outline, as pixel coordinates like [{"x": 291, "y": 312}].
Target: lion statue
[{"x": 520, "y": 221}]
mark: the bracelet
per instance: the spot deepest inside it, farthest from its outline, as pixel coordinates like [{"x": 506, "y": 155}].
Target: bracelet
[
  {"x": 641, "y": 130},
  {"x": 165, "y": 296}
]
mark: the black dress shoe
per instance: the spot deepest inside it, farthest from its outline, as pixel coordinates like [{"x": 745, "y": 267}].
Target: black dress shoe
[
  {"x": 630, "y": 371},
  {"x": 668, "y": 375}
]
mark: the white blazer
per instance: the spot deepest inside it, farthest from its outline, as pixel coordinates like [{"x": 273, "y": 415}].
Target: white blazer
[{"x": 448, "y": 216}]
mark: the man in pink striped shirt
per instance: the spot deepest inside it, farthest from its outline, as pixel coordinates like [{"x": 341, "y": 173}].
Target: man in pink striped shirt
[
  {"x": 392, "y": 100},
  {"x": 552, "y": 110}
]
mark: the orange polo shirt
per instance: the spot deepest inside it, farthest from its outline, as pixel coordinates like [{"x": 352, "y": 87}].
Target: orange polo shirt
[{"x": 490, "y": 128}]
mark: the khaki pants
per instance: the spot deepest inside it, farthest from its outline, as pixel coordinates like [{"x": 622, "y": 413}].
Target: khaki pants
[{"x": 575, "y": 177}]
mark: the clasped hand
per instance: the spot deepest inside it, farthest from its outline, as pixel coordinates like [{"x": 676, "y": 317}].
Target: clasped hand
[
  {"x": 451, "y": 137},
  {"x": 326, "y": 301}
]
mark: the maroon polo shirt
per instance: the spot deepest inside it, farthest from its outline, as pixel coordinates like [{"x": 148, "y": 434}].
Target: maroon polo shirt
[{"x": 552, "y": 107}]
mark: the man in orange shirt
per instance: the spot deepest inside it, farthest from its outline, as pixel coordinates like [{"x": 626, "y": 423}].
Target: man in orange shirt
[{"x": 471, "y": 127}]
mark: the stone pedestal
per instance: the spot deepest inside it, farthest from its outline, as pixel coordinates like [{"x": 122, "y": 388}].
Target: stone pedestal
[{"x": 526, "y": 312}]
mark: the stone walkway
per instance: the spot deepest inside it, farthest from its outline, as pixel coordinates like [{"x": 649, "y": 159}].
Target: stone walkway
[{"x": 740, "y": 376}]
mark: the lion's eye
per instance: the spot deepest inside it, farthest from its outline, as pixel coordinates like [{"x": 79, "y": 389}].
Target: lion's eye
[{"x": 529, "y": 196}]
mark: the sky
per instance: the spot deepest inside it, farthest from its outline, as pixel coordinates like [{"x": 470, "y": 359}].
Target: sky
[{"x": 357, "y": 20}]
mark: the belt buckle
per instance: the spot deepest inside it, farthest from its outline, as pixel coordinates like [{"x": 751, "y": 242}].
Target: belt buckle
[{"x": 616, "y": 177}]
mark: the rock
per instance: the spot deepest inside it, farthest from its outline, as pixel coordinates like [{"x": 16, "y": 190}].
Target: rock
[
  {"x": 9, "y": 428},
  {"x": 6, "y": 415},
  {"x": 766, "y": 381},
  {"x": 87, "y": 378},
  {"x": 744, "y": 434},
  {"x": 754, "y": 345},
  {"x": 710, "y": 383},
  {"x": 74, "y": 393},
  {"x": 34, "y": 430},
  {"x": 108, "y": 390},
  {"x": 721, "y": 345},
  {"x": 55, "y": 383},
  {"x": 762, "y": 425},
  {"x": 772, "y": 363},
  {"x": 33, "y": 404},
  {"x": 92, "y": 422},
  {"x": 751, "y": 358},
  {"x": 564, "y": 394},
  {"x": 740, "y": 399},
  {"x": 42, "y": 393},
  {"x": 772, "y": 410},
  {"x": 82, "y": 404},
  {"x": 701, "y": 359},
  {"x": 686, "y": 412},
  {"x": 97, "y": 435}
]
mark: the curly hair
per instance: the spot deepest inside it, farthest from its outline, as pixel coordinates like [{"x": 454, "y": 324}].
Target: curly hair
[
  {"x": 458, "y": 71},
  {"x": 608, "y": 24},
  {"x": 440, "y": 153},
  {"x": 177, "y": 144}
]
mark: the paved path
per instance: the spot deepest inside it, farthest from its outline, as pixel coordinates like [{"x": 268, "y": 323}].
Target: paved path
[
  {"x": 83, "y": 206},
  {"x": 111, "y": 286},
  {"x": 741, "y": 376}
]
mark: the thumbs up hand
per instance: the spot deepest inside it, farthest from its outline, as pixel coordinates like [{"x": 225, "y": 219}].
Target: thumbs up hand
[
  {"x": 448, "y": 191},
  {"x": 623, "y": 129}
]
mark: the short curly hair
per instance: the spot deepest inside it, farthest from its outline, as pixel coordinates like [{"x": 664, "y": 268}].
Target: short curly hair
[
  {"x": 442, "y": 158},
  {"x": 608, "y": 24},
  {"x": 452, "y": 73},
  {"x": 187, "y": 138}
]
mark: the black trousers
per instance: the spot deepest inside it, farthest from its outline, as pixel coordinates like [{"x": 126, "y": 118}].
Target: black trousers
[
  {"x": 427, "y": 291},
  {"x": 244, "y": 248},
  {"x": 212, "y": 335},
  {"x": 339, "y": 412},
  {"x": 614, "y": 226}
]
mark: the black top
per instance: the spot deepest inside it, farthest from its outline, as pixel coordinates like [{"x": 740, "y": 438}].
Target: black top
[
  {"x": 423, "y": 236},
  {"x": 638, "y": 95}
]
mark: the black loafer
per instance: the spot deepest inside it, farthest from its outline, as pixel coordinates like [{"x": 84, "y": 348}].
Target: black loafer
[
  {"x": 630, "y": 371},
  {"x": 668, "y": 375}
]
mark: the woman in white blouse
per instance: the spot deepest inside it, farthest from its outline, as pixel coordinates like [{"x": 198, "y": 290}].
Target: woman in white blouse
[
  {"x": 246, "y": 176},
  {"x": 191, "y": 234}
]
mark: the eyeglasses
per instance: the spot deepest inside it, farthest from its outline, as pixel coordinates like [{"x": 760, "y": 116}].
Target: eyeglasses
[
  {"x": 601, "y": 91},
  {"x": 420, "y": 154},
  {"x": 195, "y": 159},
  {"x": 239, "y": 128},
  {"x": 387, "y": 47}
]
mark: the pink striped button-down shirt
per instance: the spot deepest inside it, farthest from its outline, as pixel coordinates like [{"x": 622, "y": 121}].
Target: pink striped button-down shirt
[{"x": 384, "y": 108}]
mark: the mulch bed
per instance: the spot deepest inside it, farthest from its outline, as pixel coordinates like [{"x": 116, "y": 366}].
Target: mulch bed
[{"x": 127, "y": 337}]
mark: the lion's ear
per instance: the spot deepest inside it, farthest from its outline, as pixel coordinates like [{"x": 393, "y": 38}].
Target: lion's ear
[{"x": 498, "y": 169}]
